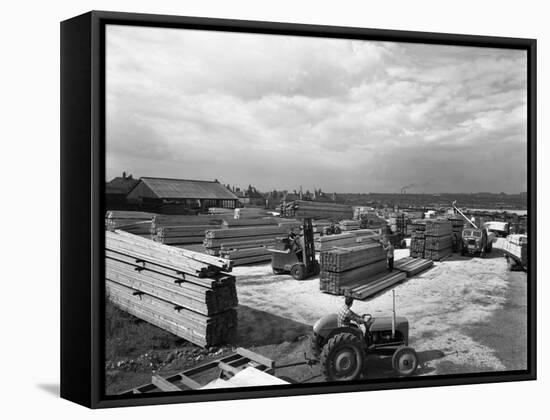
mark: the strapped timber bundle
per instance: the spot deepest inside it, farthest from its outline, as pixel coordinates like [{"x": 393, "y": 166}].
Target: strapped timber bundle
[
  {"x": 438, "y": 242},
  {"x": 245, "y": 254},
  {"x": 187, "y": 293},
  {"x": 136, "y": 222},
  {"x": 344, "y": 266},
  {"x": 183, "y": 230},
  {"x": 375, "y": 284},
  {"x": 233, "y": 223},
  {"x": 316, "y": 209}
]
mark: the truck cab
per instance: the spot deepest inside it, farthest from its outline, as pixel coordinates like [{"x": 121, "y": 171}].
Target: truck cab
[{"x": 477, "y": 241}]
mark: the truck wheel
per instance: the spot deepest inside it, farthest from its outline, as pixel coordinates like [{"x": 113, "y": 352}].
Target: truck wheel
[
  {"x": 404, "y": 361},
  {"x": 298, "y": 272},
  {"x": 342, "y": 358}
]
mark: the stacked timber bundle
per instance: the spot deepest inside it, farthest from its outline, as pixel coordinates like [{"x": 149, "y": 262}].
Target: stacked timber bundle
[
  {"x": 237, "y": 239},
  {"x": 418, "y": 238},
  {"x": 412, "y": 266},
  {"x": 438, "y": 242},
  {"x": 352, "y": 238},
  {"x": 249, "y": 213},
  {"x": 184, "y": 292},
  {"x": 183, "y": 230},
  {"x": 316, "y": 209},
  {"x": 222, "y": 211},
  {"x": 346, "y": 225},
  {"x": 233, "y": 223},
  {"x": 343, "y": 267},
  {"x": 136, "y": 222},
  {"x": 245, "y": 253}
]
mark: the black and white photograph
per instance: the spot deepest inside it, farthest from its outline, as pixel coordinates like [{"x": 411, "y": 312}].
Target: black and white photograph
[{"x": 288, "y": 210}]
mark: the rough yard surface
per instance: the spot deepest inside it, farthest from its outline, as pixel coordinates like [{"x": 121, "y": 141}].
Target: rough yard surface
[{"x": 466, "y": 315}]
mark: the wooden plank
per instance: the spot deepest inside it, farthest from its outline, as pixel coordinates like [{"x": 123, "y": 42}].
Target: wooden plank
[
  {"x": 163, "y": 384},
  {"x": 256, "y": 357}
]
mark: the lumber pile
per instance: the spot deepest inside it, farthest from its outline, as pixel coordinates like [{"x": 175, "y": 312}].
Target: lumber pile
[
  {"x": 183, "y": 230},
  {"x": 343, "y": 267},
  {"x": 438, "y": 243},
  {"x": 187, "y": 293},
  {"x": 236, "y": 240},
  {"x": 412, "y": 266},
  {"x": 418, "y": 238},
  {"x": 221, "y": 211},
  {"x": 250, "y": 213},
  {"x": 136, "y": 222},
  {"x": 268, "y": 221},
  {"x": 245, "y": 254},
  {"x": 346, "y": 225},
  {"x": 316, "y": 209},
  {"x": 347, "y": 239},
  {"x": 457, "y": 223},
  {"x": 374, "y": 285}
]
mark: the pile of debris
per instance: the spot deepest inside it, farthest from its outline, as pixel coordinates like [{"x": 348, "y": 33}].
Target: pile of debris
[
  {"x": 316, "y": 209},
  {"x": 186, "y": 293}
]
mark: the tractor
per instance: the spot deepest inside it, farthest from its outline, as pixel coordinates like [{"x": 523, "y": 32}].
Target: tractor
[{"x": 342, "y": 351}]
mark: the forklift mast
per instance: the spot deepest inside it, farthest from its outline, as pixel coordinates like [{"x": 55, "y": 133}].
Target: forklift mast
[{"x": 308, "y": 254}]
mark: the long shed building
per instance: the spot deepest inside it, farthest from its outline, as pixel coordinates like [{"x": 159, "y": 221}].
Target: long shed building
[{"x": 172, "y": 194}]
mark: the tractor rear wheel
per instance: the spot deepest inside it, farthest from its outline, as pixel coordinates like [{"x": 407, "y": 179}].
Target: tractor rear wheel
[
  {"x": 342, "y": 358},
  {"x": 405, "y": 361},
  {"x": 298, "y": 271}
]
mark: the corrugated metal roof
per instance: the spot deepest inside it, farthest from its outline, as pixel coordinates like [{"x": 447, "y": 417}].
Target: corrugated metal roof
[{"x": 187, "y": 188}]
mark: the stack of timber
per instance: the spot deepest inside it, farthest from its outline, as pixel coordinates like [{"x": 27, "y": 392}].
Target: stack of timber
[
  {"x": 136, "y": 222},
  {"x": 352, "y": 238},
  {"x": 245, "y": 254},
  {"x": 244, "y": 238},
  {"x": 412, "y": 266},
  {"x": 438, "y": 242},
  {"x": 418, "y": 238},
  {"x": 345, "y": 267},
  {"x": 250, "y": 213},
  {"x": 346, "y": 225},
  {"x": 221, "y": 210},
  {"x": 316, "y": 209},
  {"x": 186, "y": 293},
  {"x": 320, "y": 225},
  {"x": 233, "y": 223},
  {"x": 183, "y": 230},
  {"x": 382, "y": 281}
]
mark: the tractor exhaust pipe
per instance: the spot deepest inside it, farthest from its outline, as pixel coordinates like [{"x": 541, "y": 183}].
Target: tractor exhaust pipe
[{"x": 393, "y": 317}]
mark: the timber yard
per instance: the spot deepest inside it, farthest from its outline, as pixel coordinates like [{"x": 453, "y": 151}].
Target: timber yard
[{"x": 209, "y": 286}]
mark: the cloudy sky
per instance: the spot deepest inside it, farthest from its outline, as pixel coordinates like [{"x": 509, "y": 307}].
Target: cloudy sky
[{"x": 341, "y": 115}]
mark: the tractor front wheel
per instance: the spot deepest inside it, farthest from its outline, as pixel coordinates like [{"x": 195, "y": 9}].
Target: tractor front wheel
[
  {"x": 298, "y": 272},
  {"x": 405, "y": 361},
  {"x": 342, "y": 358}
]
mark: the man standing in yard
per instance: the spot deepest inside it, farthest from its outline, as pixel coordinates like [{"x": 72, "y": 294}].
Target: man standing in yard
[
  {"x": 388, "y": 247},
  {"x": 346, "y": 315}
]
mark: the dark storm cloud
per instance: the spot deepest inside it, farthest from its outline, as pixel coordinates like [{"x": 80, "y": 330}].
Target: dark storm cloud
[{"x": 279, "y": 112}]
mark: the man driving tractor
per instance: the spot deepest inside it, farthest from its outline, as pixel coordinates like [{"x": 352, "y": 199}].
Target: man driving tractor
[{"x": 346, "y": 315}]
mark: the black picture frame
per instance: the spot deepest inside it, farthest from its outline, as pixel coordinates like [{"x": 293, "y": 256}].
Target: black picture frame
[{"x": 82, "y": 205}]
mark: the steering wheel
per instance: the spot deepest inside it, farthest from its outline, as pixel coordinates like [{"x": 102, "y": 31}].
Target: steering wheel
[{"x": 366, "y": 318}]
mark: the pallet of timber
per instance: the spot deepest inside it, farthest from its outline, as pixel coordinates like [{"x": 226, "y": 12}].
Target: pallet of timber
[
  {"x": 332, "y": 282},
  {"x": 436, "y": 243},
  {"x": 136, "y": 222},
  {"x": 161, "y": 220},
  {"x": 199, "y": 329},
  {"x": 249, "y": 213},
  {"x": 376, "y": 284},
  {"x": 346, "y": 225},
  {"x": 262, "y": 239},
  {"x": 325, "y": 243},
  {"x": 438, "y": 227},
  {"x": 412, "y": 266},
  {"x": 301, "y": 208},
  {"x": 343, "y": 259},
  {"x": 246, "y": 232}
]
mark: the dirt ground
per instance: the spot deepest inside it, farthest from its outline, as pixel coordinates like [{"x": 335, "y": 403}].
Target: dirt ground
[{"x": 466, "y": 315}]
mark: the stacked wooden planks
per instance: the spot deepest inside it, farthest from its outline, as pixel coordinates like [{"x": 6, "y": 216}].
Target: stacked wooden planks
[
  {"x": 346, "y": 225},
  {"x": 235, "y": 241},
  {"x": 376, "y": 284},
  {"x": 183, "y": 230},
  {"x": 418, "y": 238},
  {"x": 352, "y": 238},
  {"x": 342, "y": 267},
  {"x": 250, "y": 213},
  {"x": 316, "y": 209},
  {"x": 184, "y": 292},
  {"x": 438, "y": 242},
  {"x": 412, "y": 266},
  {"x": 136, "y": 222},
  {"x": 268, "y": 221}
]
